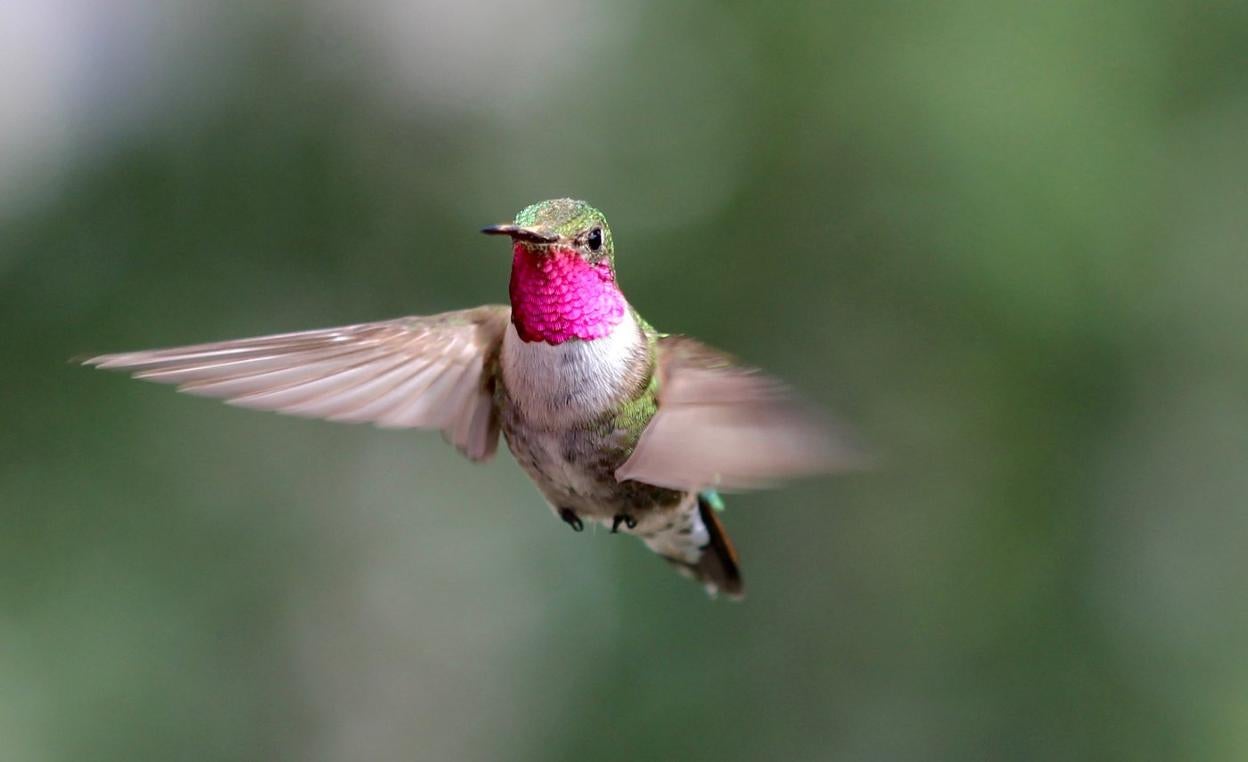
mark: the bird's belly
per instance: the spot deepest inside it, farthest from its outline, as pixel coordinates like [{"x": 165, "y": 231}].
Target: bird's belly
[
  {"x": 576, "y": 469},
  {"x": 555, "y": 409},
  {"x": 573, "y": 469}
]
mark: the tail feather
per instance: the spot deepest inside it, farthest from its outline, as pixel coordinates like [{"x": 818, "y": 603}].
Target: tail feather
[
  {"x": 718, "y": 567},
  {"x": 693, "y": 540},
  {"x": 698, "y": 547}
]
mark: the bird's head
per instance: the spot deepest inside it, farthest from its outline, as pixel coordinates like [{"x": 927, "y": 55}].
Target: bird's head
[
  {"x": 563, "y": 272},
  {"x": 563, "y": 226}
]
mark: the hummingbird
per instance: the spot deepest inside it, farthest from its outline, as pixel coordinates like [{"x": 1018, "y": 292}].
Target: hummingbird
[{"x": 616, "y": 423}]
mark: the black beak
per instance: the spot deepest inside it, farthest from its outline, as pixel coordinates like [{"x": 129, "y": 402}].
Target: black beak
[{"x": 519, "y": 233}]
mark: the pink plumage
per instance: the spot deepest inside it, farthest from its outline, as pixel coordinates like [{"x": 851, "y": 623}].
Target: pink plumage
[{"x": 557, "y": 296}]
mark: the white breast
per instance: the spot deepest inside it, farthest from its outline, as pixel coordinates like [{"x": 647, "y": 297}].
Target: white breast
[{"x": 555, "y": 385}]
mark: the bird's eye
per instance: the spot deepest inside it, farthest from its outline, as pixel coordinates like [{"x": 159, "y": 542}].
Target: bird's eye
[{"x": 594, "y": 239}]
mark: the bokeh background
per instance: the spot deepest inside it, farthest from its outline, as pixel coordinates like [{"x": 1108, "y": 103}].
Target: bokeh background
[{"x": 1008, "y": 242}]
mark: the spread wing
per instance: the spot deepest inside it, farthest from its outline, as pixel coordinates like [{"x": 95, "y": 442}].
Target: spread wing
[
  {"x": 720, "y": 424},
  {"x": 425, "y": 372}
]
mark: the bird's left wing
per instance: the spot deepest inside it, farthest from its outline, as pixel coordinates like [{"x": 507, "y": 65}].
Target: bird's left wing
[
  {"x": 721, "y": 424},
  {"x": 427, "y": 372}
]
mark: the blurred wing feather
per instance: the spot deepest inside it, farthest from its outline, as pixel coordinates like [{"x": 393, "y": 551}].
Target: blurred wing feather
[
  {"x": 414, "y": 372},
  {"x": 720, "y": 424}
]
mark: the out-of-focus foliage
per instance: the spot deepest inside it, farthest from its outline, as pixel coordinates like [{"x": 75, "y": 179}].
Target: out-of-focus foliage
[{"x": 1008, "y": 241}]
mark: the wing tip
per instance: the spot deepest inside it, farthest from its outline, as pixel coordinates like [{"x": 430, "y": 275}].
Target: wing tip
[
  {"x": 92, "y": 361},
  {"x": 844, "y": 452}
]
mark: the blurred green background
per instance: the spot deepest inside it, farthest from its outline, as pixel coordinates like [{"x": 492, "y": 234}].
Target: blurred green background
[{"x": 1007, "y": 241}]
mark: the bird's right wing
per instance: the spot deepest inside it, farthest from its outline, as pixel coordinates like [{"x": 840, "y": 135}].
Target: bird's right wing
[{"x": 430, "y": 372}]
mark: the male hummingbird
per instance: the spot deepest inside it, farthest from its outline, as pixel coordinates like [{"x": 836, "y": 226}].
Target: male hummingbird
[{"x": 615, "y": 422}]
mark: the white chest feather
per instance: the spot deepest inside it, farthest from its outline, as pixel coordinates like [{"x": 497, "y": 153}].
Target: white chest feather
[{"x": 555, "y": 385}]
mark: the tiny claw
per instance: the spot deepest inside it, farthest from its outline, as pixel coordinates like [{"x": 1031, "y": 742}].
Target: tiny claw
[
  {"x": 571, "y": 519},
  {"x": 622, "y": 518}
]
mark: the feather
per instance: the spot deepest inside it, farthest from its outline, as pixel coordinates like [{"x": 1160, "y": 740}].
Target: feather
[
  {"x": 720, "y": 424},
  {"x": 431, "y": 372}
]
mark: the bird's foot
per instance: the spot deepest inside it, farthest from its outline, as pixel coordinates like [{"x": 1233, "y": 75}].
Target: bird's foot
[
  {"x": 571, "y": 519},
  {"x": 622, "y": 518}
]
